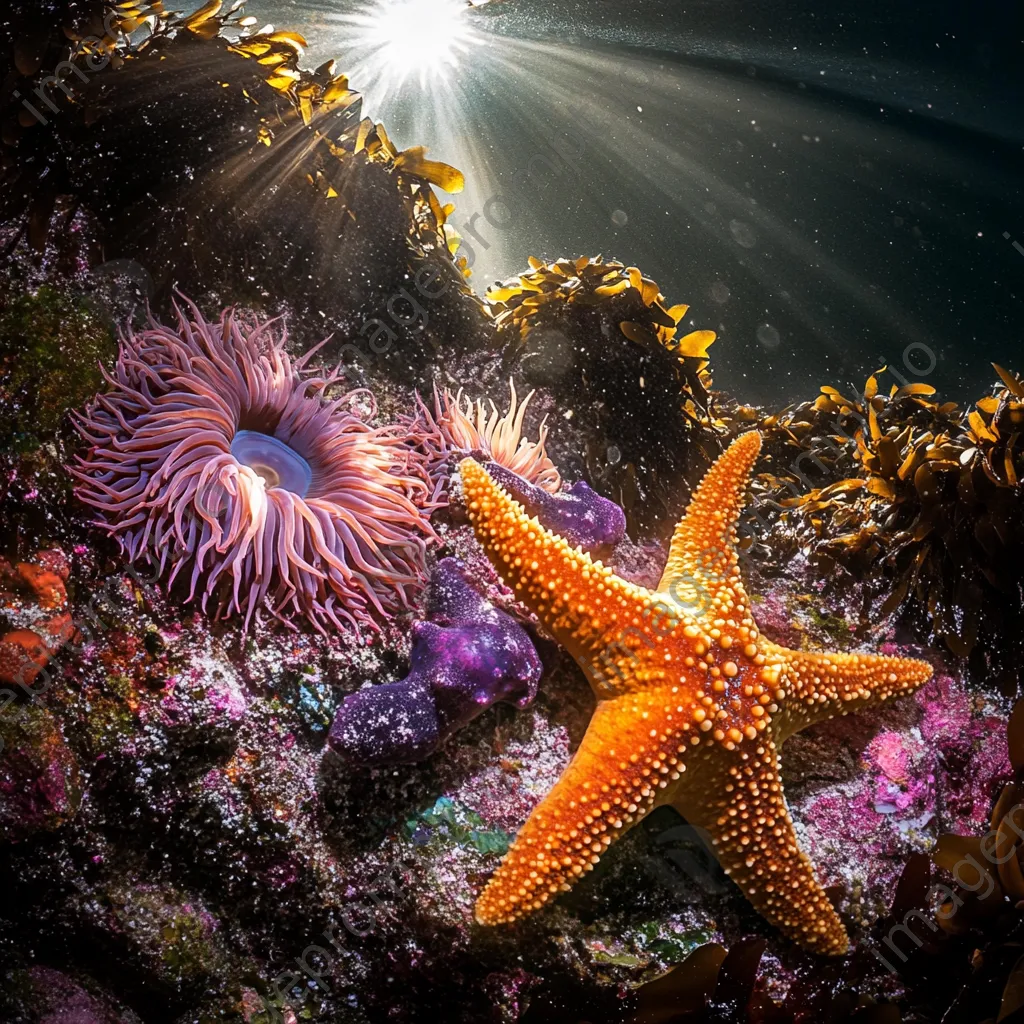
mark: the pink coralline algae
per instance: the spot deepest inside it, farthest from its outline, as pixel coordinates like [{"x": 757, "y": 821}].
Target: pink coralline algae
[
  {"x": 940, "y": 776},
  {"x": 457, "y": 427},
  {"x": 222, "y": 460},
  {"x": 969, "y": 739},
  {"x": 56, "y": 998},
  {"x": 466, "y": 657},
  {"x": 41, "y": 784},
  {"x": 580, "y": 514}
]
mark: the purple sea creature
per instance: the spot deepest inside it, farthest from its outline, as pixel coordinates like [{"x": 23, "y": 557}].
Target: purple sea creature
[
  {"x": 580, "y": 514},
  {"x": 466, "y": 657}
]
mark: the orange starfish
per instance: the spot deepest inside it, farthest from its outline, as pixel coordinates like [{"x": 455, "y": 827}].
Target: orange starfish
[{"x": 693, "y": 705}]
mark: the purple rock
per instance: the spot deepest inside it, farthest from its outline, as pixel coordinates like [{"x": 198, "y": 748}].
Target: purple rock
[
  {"x": 580, "y": 514},
  {"x": 466, "y": 657},
  {"x": 395, "y": 723}
]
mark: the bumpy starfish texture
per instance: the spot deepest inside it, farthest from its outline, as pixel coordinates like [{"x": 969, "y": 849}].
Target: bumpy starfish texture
[{"x": 693, "y": 705}]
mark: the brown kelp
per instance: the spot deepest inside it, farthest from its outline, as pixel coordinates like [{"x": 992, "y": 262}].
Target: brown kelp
[
  {"x": 917, "y": 497},
  {"x": 258, "y": 156}
]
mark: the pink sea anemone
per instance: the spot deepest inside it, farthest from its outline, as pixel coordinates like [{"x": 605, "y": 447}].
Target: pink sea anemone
[
  {"x": 458, "y": 426},
  {"x": 214, "y": 454}
]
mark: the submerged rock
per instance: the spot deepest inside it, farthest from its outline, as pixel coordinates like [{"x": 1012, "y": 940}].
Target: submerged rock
[
  {"x": 51, "y": 350},
  {"x": 41, "y": 995},
  {"x": 40, "y": 780}
]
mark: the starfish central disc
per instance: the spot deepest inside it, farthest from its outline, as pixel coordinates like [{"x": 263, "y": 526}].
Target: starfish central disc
[{"x": 693, "y": 705}]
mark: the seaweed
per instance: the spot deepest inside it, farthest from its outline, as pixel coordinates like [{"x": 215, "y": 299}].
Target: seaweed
[
  {"x": 447, "y": 821},
  {"x": 916, "y": 497},
  {"x": 259, "y": 157}
]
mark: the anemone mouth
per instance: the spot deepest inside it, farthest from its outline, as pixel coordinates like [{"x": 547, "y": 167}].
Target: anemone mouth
[{"x": 275, "y": 462}]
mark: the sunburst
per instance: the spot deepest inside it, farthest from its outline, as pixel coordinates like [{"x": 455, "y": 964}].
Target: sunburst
[{"x": 396, "y": 42}]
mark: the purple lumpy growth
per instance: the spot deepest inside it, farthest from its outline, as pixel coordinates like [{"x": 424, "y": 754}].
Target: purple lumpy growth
[
  {"x": 580, "y": 514},
  {"x": 467, "y": 656}
]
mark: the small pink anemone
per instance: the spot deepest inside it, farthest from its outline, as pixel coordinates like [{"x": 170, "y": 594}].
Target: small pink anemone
[
  {"x": 460, "y": 427},
  {"x": 217, "y": 457}
]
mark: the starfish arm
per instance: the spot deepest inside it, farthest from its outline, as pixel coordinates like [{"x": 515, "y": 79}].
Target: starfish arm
[
  {"x": 579, "y": 601},
  {"x": 632, "y": 751},
  {"x": 702, "y": 568},
  {"x": 821, "y": 686},
  {"x": 752, "y": 837}
]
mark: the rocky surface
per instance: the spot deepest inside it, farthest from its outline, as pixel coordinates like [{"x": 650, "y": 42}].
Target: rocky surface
[{"x": 176, "y": 829}]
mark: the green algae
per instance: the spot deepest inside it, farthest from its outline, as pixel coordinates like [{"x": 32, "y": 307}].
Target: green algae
[
  {"x": 835, "y": 626},
  {"x": 311, "y": 697},
  {"x": 449, "y": 822},
  {"x": 671, "y": 947},
  {"x": 170, "y": 933},
  {"x": 51, "y": 349}
]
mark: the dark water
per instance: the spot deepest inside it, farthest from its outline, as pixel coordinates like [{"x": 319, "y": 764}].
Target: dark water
[{"x": 832, "y": 190}]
